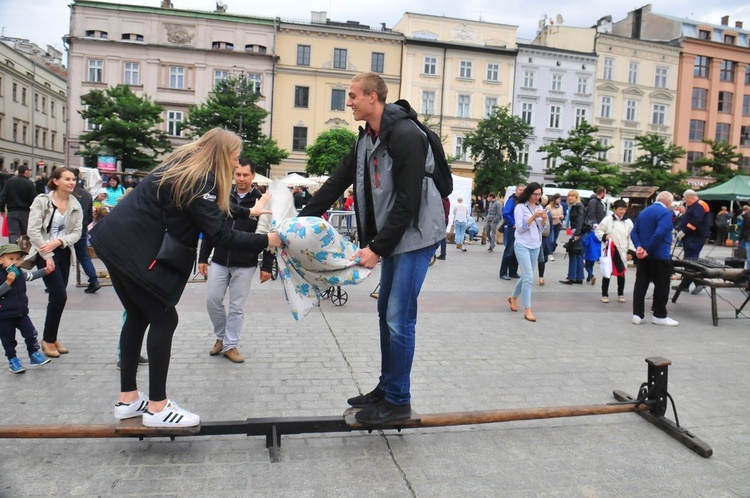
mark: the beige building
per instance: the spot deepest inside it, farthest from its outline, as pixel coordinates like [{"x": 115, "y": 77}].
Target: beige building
[
  {"x": 33, "y": 106},
  {"x": 173, "y": 56},
  {"x": 454, "y": 72},
  {"x": 636, "y": 85},
  {"x": 316, "y": 62}
]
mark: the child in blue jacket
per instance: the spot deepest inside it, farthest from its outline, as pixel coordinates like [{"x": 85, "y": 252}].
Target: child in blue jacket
[{"x": 592, "y": 250}]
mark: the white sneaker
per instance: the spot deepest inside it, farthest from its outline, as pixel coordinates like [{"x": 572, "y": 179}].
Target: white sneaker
[
  {"x": 666, "y": 321},
  {"x": 551, "y": 257},
  {"x": 171, "y": 416},
  {"x": 638, "y": 320},
  {"x": 130, "y": 410}
]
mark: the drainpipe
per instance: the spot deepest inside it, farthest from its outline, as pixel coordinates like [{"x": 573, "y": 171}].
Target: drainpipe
[
  {"x": 273, "y": 87},
  {"x": 32, "y": 166},
  {"x": 442, "y": 90}
]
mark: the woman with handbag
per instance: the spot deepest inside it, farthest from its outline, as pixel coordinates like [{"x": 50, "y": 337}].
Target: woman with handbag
[
  {"x": 574, "y": 246},
  {"x": 55, "y": 224},
  {"x": 531, "y": 219},
  {"x": 614, "y": 232},
  {"x": 148, "y": 244}
]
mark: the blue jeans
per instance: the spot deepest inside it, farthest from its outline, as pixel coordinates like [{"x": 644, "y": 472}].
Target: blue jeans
[
  {"x": 589, "y": 266},
  {"x": 460, "y": 231},
  {"x": 746, "y": 245},
  {"x": 575, "y": 266},
  {"x": 401, "y": 279},
  {"x": 82, "y": 254},
  {"x": 527, "y": 259}
]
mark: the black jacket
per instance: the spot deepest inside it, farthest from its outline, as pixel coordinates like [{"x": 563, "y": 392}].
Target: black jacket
[
  {"x": 130, "y": 236},
  {"x": 84, "y": 199},
  {"x": 14, "y": 303},
  {"x": 239, "y": 221},
  {"x": 18, "y": 194},
  {"x": 595, "y": 210}
]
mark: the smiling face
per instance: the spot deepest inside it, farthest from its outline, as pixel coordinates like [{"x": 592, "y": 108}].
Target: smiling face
[
  {"x": 362, "y": 104},
  {"x": 66, "y": 182},
  {"x": 12, "y": 258}
]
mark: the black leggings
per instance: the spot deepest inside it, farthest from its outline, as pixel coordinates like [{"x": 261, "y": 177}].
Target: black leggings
[
  {"x": 56, "y": 283},
  {"x": 142, "y": 310},
  {"x": 620, "y": 286}
]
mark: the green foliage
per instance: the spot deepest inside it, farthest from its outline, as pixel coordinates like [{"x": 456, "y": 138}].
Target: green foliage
[
  {"x": 495, "y": 147},
  {"x": 723, "y": 156},
  {"x": 125, "y": 123},
  {"x": 329, "y": 150},
  {"x": 233, "y": 106},
  {"x": 654, "y": 167},
  {"x": 578, "y": 163}
]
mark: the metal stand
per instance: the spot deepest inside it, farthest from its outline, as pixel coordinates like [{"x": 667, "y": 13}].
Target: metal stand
[{"x": 651, "y": 404}]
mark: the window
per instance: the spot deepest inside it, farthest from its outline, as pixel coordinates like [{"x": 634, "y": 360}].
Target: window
[
  {"x": 722, "y": 132},
  {"x": 255, "y": 81},
  {"x": 89, "y": 126},
  {"x": 464, "y": 69},
  {"x": 557, "y": 80},
  {"x": 52, "y": 140},
  {"x": 301, "y": 96},
  {"x": 697, "y": 130},
  {"x": 97, "y": 34},
  {"x": 493, "y": 72},
  {"x": 747, "y": 74},
  {"x": 303, "y": 55},
  {"x": 299, "y": 138},
  {"x": 691, "y": 158},
  {"x": 44, "y": 105},
  {"x": 631, "y": 110},
  {"x": 727, "y": 71},
  {"x": 608, "y": 69},
  {"x": 745, "y": 136},
  {"x": 36, "y": 101},
  {"x": 52, "y": 108},
  {"x": 528, "y": 79},
  {"x": 460, "y": 149},
  {"x": 428, "y": 103},
  {"x": 23, "y": 134},
  {"x": 463, "y": 109},
  {"x": 746, "y": 106},
  {"x": 23, "y": 95},
  {"x": 659, "y": 115},
  {"x": 378, "y": 62},
  {"x": 222, "y": 45},
  {"x": 660, "y": 77},
  {"x": 583, "y": 85},
  {"x": 220, "y": 75},
  {"x": 36, "y": 137},
  {"x": 132, "y": 72},
  {"x": 729, "y": 39},
  {"x": 633, "y": 73},
  {"x": 490, "y": 104},
  {"x": 555, "y": 111},
  {"x": 606, "y": 108},
  {"x": 527, "y": 108},
  {"x": 14, "y": 92},
  {"x": 430, "y": 65},
  {"x": 338, "y": 99},
  {"x": 701, "y": 66},
  {"x": 96, "y": 70},
  {"x": 132, "y": 37},
  {"x": 704, "y": 34},
  {"x": 258, "y": 49},
  {"x": 627, "y": 151},
  {"x": 725, "y": 101},
  {"x": 177, "y": 77},
  {"x": 339, "y": 60},
  {"x": 580, "y": 116},
  {"x": 551, "y": 162},
  {"x": 604, "y": 142},
  {"x": 699, "y": 98},
  {"x": 15, "y": 132},
  {"x": 746, "y": 165},
  {"x": 523, "y": 154},
  {"x": 174, "y": 123}
]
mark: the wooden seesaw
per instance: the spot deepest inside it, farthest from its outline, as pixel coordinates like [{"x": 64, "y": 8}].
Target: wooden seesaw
[{"x": 651, "y": 404}]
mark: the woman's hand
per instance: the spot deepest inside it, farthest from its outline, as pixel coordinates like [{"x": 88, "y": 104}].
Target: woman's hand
[
  {"x": 50, "y": 246},
  {"x": 260, "y": 206},
  {"x": 203, "y": 269},
  {"x": 274, "y": 240},
  {"x": 265, "y": 276},
  {"x": 50, "y": 266}
]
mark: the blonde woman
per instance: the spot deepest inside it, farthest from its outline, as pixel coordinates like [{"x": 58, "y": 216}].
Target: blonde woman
[{"x": 148, "y": 245}]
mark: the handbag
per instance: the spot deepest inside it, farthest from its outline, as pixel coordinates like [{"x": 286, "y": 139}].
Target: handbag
[
  {"x": 24, "y": 242},
  {"x": 605, "y": 260},
  {"x": 175, "y": 255}
]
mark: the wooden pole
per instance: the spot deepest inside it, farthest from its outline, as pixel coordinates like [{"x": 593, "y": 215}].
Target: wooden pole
[{"x": 57, "y": 431}]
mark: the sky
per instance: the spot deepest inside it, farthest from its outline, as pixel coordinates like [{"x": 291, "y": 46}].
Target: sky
[{"x": 50, "y": 18}]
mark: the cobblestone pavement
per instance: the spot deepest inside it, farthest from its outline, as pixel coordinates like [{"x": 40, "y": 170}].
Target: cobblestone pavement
[{"x": 472, "y": 354}]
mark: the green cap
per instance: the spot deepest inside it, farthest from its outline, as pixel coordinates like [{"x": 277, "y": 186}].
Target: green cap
[{"x": 10, "y": 249}]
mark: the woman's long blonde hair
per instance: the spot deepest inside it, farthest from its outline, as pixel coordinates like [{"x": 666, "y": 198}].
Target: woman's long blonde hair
[{"x": 188, "y": 167}]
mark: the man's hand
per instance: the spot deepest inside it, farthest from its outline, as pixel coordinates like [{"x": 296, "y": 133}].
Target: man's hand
[
  {"x": 640, "y": 253},
  {"x": 265, "y": 276},
  {"x": 203, "y": 269},
  {"x": 50, "y": 267},
  {"x": 260, "y": 205},
  {"x": 367, "y": 257},
  {"x": 274, "y": 240}
]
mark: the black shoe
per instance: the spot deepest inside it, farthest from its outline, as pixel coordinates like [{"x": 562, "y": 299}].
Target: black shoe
[
  {"x": 578, "y": 282},
  {"x": 683, "y": 289},
  {"x": 366, "y": 400},
  {"x": 441, "y": 257},
  {"x": 382, "y": 413},
  {"x": 489, "y": 250},
  {"x": 515, "y": 276},
  {"x": 567, "y": 282},
  {"x": 698, "y": 289},
  {"x": 93, "y": 287},
  {"x": 142, "y": 360}
]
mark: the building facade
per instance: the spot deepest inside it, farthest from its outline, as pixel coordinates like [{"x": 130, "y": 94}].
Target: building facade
[
  {"x": 33, "y": 106},
  {"x": 454, "y": 72},
  {"x": 316, "y": 62},
  {"x": 554, "y": 93},
  {"x": 173, "y": 56}
]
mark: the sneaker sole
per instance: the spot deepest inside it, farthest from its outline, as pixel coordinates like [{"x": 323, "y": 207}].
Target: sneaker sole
[
  {"x": 40, "y": 364},
  {"x": 159, "y": 423},
  {"x": 17, "y": 371}
]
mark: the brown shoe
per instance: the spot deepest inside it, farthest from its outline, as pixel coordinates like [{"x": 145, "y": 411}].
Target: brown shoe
[
  {"x": 50, "y": 350},
  {"x": 513, "y": 303},
  {"x": 234, "y": 355},
  {"x": 218, "y": 346},
  {"x": 529, "y": 315},
  {"x": 541, "y": 282},
  {"x": 60, "y": 348}
]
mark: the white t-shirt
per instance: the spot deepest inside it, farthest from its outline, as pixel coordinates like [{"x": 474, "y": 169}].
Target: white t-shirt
[
  {"x": 57, "y": 230},
  {"x": 461, "y": 213}
]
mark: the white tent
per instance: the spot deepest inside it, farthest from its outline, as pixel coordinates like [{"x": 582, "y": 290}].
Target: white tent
[
  {"x": 462, "y": 187},
  {"x": 295, "y": 179},
  {"x": 261, "y": 180}
]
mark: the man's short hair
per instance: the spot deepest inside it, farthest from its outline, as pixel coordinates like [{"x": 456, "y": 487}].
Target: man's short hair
[
  {"x": 619, "y": 203},
  {"x": 689, "y": 193},
  {"x": 245, "y": 161},
  {"x": 22, "y": 169},
  {"x": 601, "y": 190},
  {"x": 491, "y": 194},
  {"x": 665, "y": 198},
  {"x": 372, "y": 82}
]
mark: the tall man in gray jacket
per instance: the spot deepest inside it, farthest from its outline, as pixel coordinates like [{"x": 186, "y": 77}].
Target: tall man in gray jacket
[
  {"x": 400, "y": 219},
  {"x": 494, "y": 217}
]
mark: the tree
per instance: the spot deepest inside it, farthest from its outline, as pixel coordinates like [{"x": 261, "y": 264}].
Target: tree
[
  {"x": 495, "y": 147},
  {"x": 233, "y": 106},
  {"x": 329, "y": 150},
  {"x": 126, "y": 123},
  {"x": 578, "y": 163},
  {"x": 654, "y": 167},
  {"x": 723, "y": 156}
]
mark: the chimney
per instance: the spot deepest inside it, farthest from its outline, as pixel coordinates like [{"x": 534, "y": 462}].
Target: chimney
[
  {"x": 166, "y": 4},
  {"x": 635, "y": 30},
  {"x": 725, "y": 21},
  {"x": 738, "y": 24}
]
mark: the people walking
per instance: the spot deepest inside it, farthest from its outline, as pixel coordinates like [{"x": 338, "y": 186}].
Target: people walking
[
  {"x": 614, "y": 233},
  {"x": 460, "y": 218},
  {"x": 494, "y": 217},
  {"x": 577, "y": 215},
  {"x": 509, "y": 264},
  {"x": 17, "y": 196}
]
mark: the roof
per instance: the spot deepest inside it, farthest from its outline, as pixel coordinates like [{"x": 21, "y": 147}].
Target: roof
[
  {"x": 736, "y": 189},
  {"x": 639, "y": 192}
]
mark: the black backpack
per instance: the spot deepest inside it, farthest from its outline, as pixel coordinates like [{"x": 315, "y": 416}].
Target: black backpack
[{"x": 441, "y": 175}]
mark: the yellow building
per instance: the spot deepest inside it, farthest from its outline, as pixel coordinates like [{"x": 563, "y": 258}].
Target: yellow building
[
  {"x": 454, "y": 72},
  {"x": 316, "y": 62}
]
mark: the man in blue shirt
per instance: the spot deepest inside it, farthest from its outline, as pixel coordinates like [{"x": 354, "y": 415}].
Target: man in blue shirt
[
  {"x": 652, "y": 237},
  {"x": 509, "y": 264}
]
